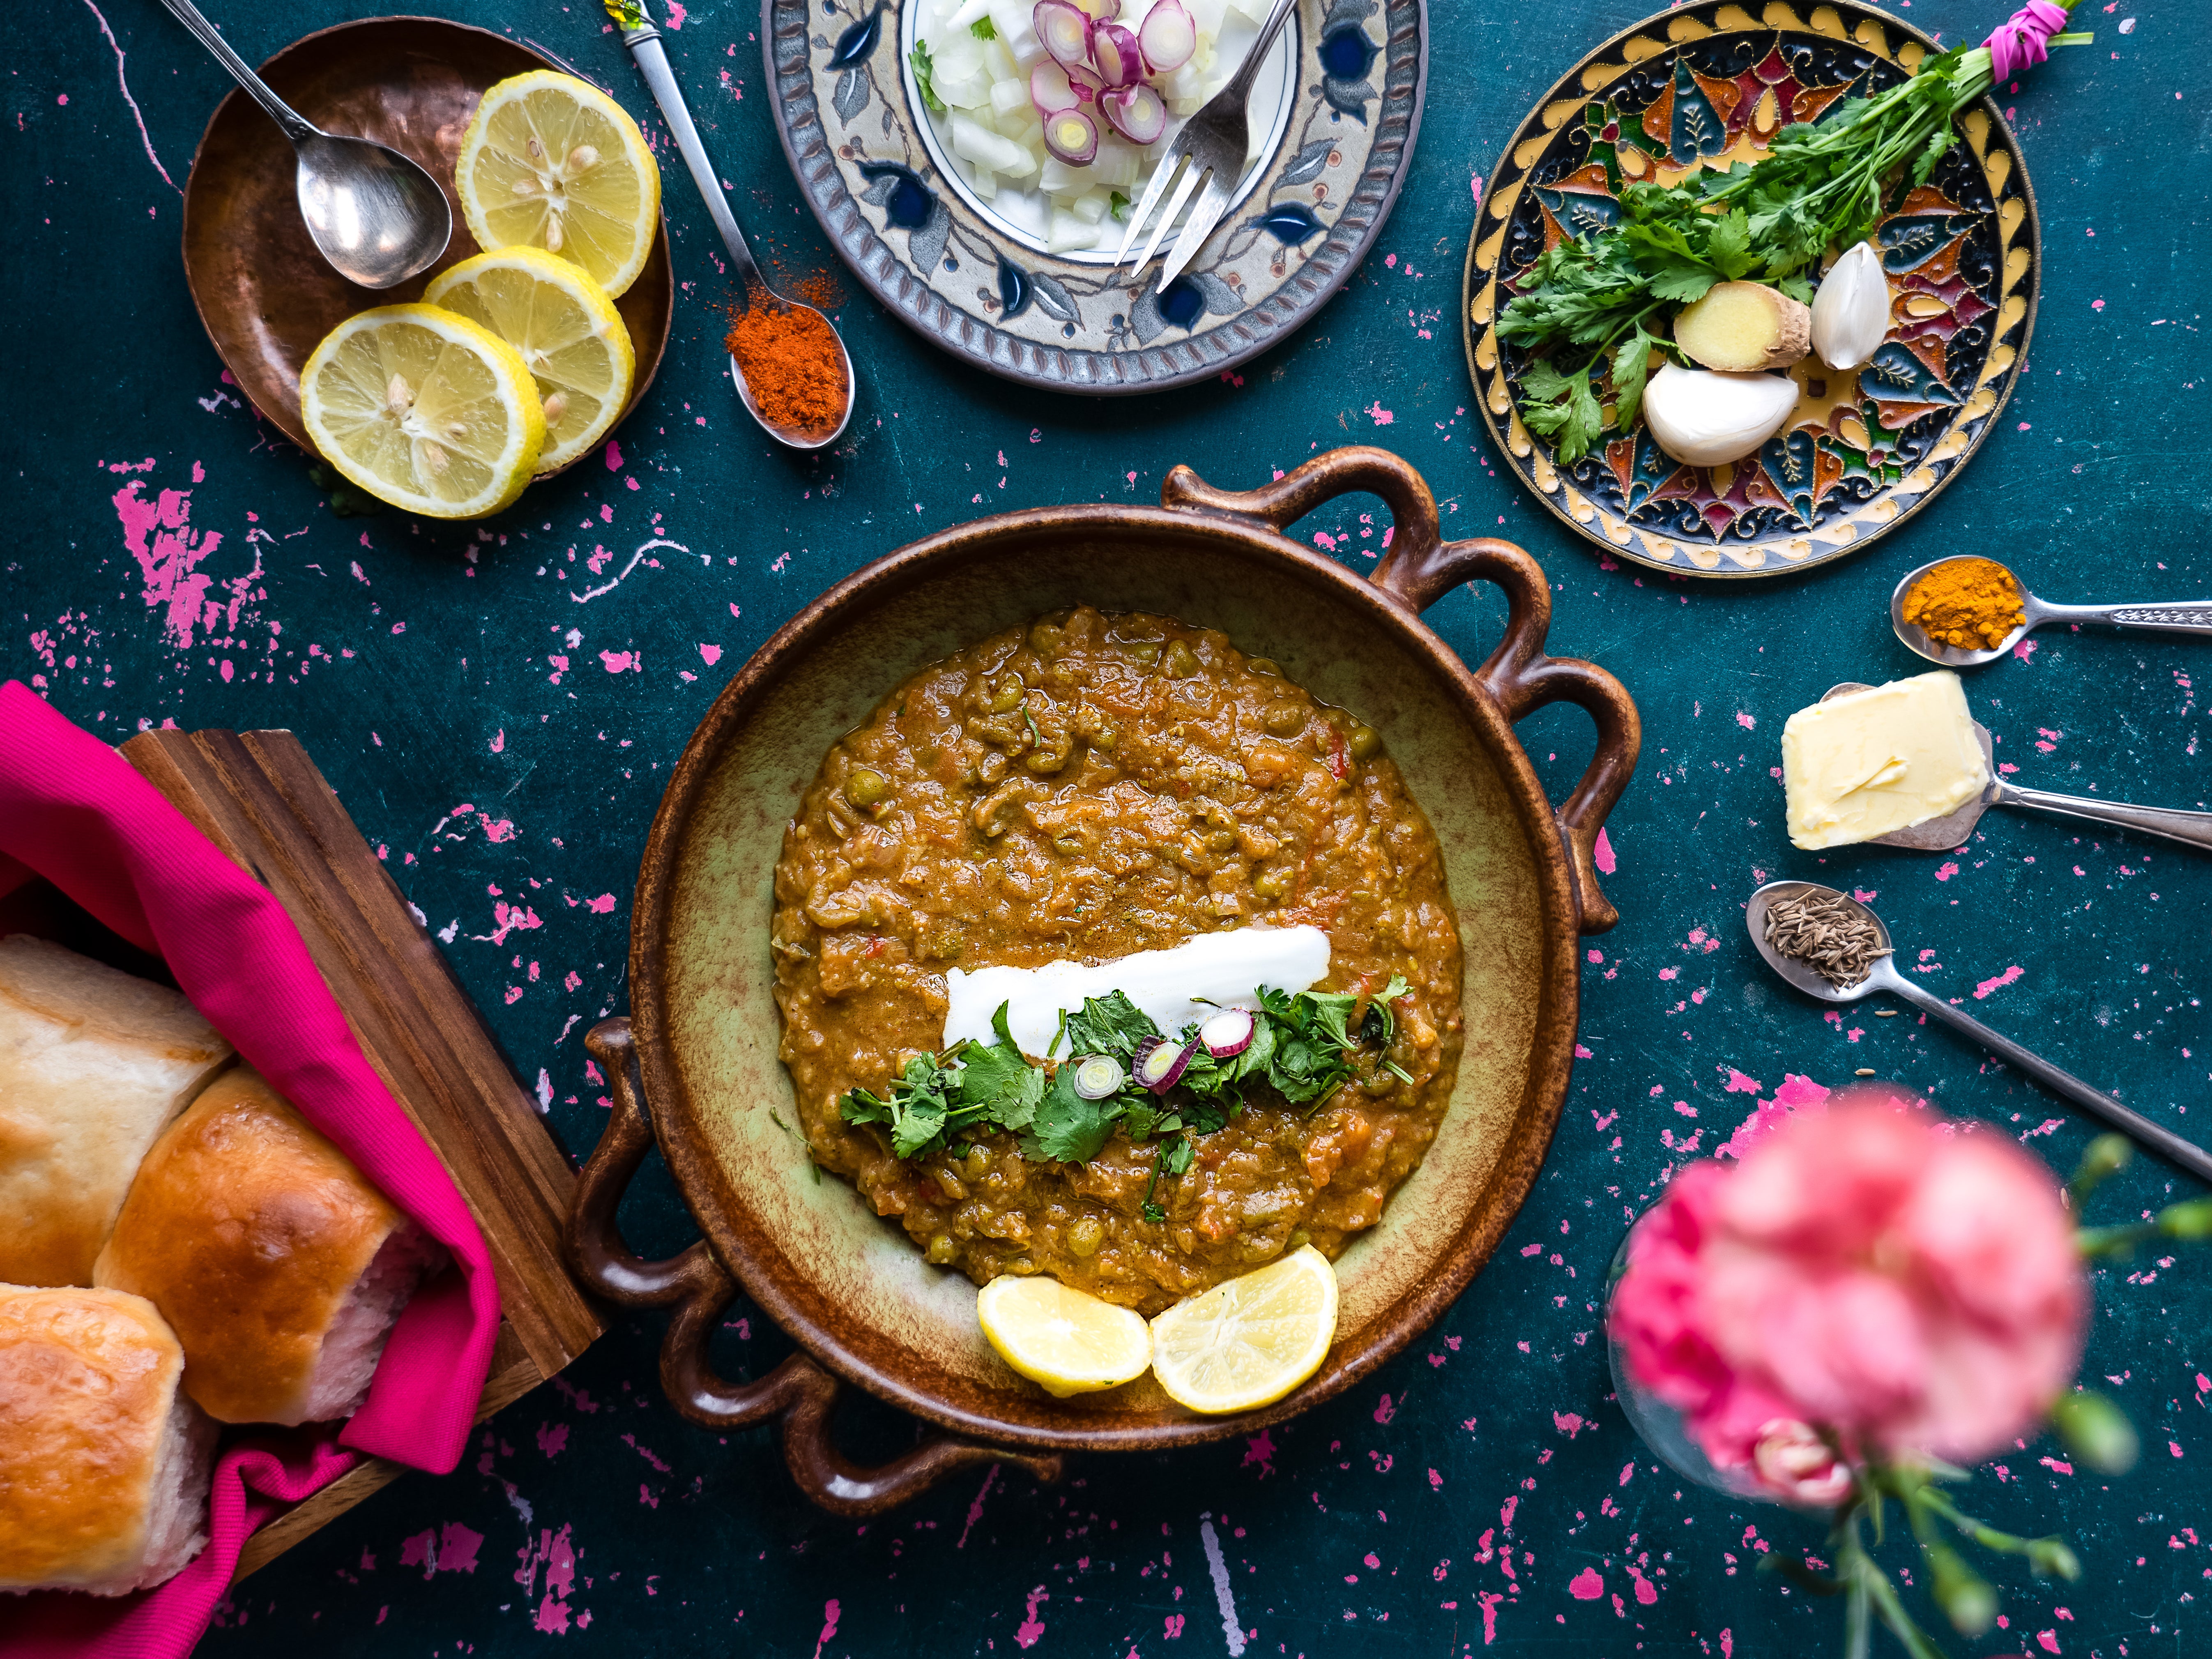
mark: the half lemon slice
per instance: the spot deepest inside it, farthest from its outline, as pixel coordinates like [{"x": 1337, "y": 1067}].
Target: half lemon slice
[
  {"x": 1063, "y": 1340},
  {"x": 1249, "y": 1342},
  {"x": 551, "y": 162},
  {"x": 424, "y": 409},
  {"x": 570, "y": 335}
]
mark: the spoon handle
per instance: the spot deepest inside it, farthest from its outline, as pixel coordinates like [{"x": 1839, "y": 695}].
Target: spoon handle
[
  {"x": 644, "y": 43},
  {"x": 296, "y": 127},
  {"x": 2190, "y": 828},
  {"x": 2183, "y": 616},
  {"x": 2187, "y": 1154}
]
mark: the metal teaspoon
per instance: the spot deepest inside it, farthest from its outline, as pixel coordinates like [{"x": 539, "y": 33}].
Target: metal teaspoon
[
  {"x": 1943, "y": 834},
  {"x": 1884, "y": 976},
  {"x": 2184, "y": 617},
  {"x": 643, "y": 40},
  {"x": 377, "y": 216}
]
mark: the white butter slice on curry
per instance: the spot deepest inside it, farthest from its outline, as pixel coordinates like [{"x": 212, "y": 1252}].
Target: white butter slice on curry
[
  {"x": 1225, "y": 969},
  {"x": 1871, "y": 761}
]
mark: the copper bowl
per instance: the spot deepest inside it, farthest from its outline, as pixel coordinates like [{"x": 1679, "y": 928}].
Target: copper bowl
[
  {"x": 265, "y": 293},
  {"x": 701, "y": 1044}
]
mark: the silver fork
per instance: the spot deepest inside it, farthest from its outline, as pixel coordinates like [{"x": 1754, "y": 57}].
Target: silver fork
[{"x": 1215, "y": 142}]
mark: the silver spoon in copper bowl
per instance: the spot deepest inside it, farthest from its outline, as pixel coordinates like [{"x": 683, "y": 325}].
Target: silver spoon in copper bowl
[
  {"x": 375, "y": 214},
  {"x": 1879, "y": 974},
  {"x": 2183, "y": 616}
]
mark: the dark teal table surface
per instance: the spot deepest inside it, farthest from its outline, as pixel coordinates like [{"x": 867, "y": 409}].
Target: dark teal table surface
[{"x": 498, "y": 707}]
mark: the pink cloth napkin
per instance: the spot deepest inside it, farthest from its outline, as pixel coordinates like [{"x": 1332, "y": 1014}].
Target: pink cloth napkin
[{"x": 74, "y": 812}]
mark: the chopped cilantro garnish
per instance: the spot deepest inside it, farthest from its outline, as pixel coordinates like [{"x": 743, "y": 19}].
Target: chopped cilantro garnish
[
  {"x": 920, "y": 58},
  {"x": 983, "y": 29},
  {"x": 1118, "y": 205}
]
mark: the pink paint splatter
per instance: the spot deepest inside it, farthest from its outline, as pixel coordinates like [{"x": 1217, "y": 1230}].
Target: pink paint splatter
[
  {"x": 1260, "y": 1450},
  {"x": 975, "y": 1509},
  {"x": 552, "y": 1438},
  {"x": 1946, "y": 872},
  {"x": 622, "y": 662},
  {"x": 1570, "y": 1423},
  {"x": 457, "y": 1548},
  {"x": 828, "y": 1607},
  {"x": 1747, "y": 721},
  {"x": 1031, "y": 1627},
  {"x": 1999, "y": 982},
  {"x": 169, "y": 552},
  {"x": 676, "y": 17},
  {"x": 1385, "y": 1410},
  {"x": 144, "y": 137},
  {"x": 1488, "y": 1601},
  {"x": 1586, "y": 1585},
  {"x": 1738, "y": 1083},
  {"x": 710, "y": 654},
  {"x": 2025, "y": 651},
  {"x": 1601, "y": 855},
  {"x": 1381, "y": 417},
  {"x": 601, "y": 905}
]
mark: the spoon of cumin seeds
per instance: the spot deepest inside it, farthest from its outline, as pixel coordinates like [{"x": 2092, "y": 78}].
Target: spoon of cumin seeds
[{"x": 1831, "y": 946}]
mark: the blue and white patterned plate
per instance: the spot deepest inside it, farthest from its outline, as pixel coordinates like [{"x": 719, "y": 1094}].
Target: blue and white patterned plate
[{"x": 873, "y": 171}]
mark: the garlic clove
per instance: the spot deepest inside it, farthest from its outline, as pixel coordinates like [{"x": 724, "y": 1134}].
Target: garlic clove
[
  {"x": 1851, "y": 313},
  {"x": 1703, "y": 419}
]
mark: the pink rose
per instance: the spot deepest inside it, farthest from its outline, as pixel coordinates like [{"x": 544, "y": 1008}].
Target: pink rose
[{"x": 1902, "y": 1283}]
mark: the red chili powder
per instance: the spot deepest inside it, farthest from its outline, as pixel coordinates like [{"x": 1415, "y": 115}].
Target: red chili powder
[{"x": 792, "y": 363}]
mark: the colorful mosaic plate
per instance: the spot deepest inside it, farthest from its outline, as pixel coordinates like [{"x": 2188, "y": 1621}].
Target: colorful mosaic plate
[
  {"x": 967, "y": 278},
  {"x": 1707, "y": 85}
]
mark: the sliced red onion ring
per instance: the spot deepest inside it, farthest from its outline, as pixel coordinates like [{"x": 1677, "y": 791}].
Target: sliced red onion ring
[
  {"x": 1137, "y": 113},
  {"x": 1085, "y": 83},
  {"x": 1160, "y": 1063},
  {"x": 1168, "y": 37},
  {"x": 1050, "y": 90},
  {"x": 1227, "y": 1033},
  {"x": 1099, "y": 1076},
  {"x": 1113, "y": 49},
  {"x": 1063, "y": 30},
  {"x": 1072, "y": 137}
]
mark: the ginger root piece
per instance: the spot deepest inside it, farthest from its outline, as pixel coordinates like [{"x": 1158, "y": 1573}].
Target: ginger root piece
[{"x": 1740, "y": 327}]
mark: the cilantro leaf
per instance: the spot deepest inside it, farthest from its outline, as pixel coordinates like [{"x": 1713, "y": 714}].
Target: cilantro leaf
[
  {"x": 915, "y": 1112},
  {"x": 920, "y": 58},
  {"x": 1069, "y": 1127},
  {"x": 1631, "y": 366},
  {"x": 1728, "y": 244},
  {"x": 998, "y": 1083},
  {"x": 1562, "y": 408},
  {"x": 1111, "y": 1024},
  {"x": 983, "y": 29}
]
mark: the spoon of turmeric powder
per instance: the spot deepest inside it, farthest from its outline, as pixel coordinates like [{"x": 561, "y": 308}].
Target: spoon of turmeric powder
[
  {"x": 792, "y": 373},
  {"x": 1967, "y": 609}
]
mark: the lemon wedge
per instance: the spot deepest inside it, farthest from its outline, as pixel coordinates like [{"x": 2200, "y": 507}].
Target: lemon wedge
[
  {"x": 570, "y": 335},
  {"x": 1249, "y": 1342},
  {"x": 1063, "y": 1340},
  {"x": 551, "y": 162},
  {"x": 424, "y": 409}
]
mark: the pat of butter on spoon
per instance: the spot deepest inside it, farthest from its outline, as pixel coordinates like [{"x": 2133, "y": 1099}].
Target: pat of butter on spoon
[
  {"x": 1941, "y": 834},
  {"x": 1174, "y": 987}
]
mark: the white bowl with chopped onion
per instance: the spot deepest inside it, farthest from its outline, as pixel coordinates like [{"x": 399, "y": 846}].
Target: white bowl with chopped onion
[{"x": 1053, "y": 138}]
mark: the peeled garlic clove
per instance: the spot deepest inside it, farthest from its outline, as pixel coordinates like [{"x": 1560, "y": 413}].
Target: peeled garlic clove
[
  {"x": 1703, "y": 419},
  {"x": 1851, "y": 313}
]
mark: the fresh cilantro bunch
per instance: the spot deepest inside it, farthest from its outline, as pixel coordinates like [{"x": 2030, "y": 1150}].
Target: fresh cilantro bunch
[
  {"x": 1589, "y": 305},
  {"x": 1301, "y": 1047}
]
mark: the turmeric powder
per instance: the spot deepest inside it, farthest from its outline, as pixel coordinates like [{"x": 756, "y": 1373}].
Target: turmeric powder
[{"x": 1970, "y": 605}]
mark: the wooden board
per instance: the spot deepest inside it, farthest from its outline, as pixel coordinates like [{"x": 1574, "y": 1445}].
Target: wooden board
[{"x": 257, "y": 796}]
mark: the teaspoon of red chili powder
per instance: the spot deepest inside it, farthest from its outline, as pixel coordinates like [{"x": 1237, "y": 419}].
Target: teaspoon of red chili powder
[{"x": 792, "y": 364}]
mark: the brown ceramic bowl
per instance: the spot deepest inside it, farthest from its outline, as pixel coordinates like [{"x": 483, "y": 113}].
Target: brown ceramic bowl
[
  {"x": 700, "y": 1045},
  {"x": 265, "y": 293}
]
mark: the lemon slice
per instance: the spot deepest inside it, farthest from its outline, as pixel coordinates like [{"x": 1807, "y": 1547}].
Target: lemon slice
[
  {"x": 424, "y": 409},
  {"x": 1063, "y": 1340},
  {"x": 569, "y": 332},
  {"x": 1250, "y": 1342},
  {"x": 551, "y": 162}
]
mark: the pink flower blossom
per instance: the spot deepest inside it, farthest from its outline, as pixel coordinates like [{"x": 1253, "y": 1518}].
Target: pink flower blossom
[{"x": 1869, "y": 1272}]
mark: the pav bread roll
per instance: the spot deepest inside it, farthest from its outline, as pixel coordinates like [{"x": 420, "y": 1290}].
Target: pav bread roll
[
  {"x": 105, "y": 1465},
  {"x": 279, "y": 1267},
  {"x": 92, "y": 1063}
]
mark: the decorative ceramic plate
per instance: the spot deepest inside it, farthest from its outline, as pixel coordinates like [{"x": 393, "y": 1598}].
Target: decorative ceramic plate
[
  {"x": 978, "y": 283},
  {"x": 264, "y": 293},
  {"x": 1709, "y": 85}
]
